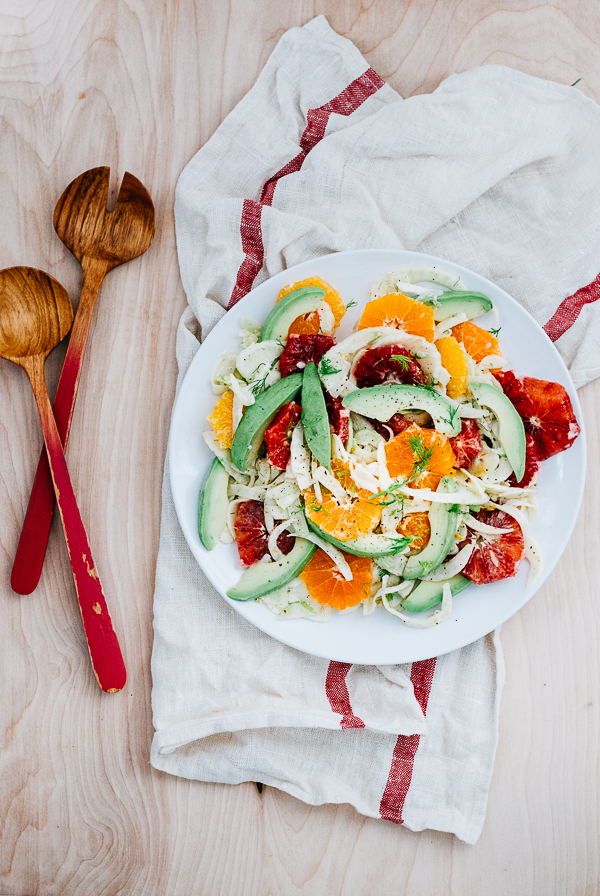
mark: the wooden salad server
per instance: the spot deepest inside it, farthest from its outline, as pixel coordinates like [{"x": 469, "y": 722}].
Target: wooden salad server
[
  {"x": 101, "y": 240},
  {"x": 35, "y": 314}
]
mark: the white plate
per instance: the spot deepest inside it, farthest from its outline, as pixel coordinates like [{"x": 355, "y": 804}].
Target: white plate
[{"x": 378, "y": 638}]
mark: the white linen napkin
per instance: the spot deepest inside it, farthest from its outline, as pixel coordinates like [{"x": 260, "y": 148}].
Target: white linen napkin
[{"x": 495, "y": 170}]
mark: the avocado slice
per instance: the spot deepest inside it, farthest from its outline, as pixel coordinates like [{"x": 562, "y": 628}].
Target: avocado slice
[
  {"x": 452, "y": 302},
  {"x": 428, "y": 594},
  {"x": 382, "y": 402},
  {"x": 511, "y": 431},
  {"x": 364, "y": 545},
  {"x": 443, "y": 521},
  {"x": 285, "y": 312},
  {"x": 315, "y": 419},
  {"x": 212, "y": 504},
  {"x": 261, "y": 578},
  {"x": 257, "y": 417}
]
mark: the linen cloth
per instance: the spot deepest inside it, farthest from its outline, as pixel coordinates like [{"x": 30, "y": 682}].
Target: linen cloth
[{"x": 495, "y": 170}]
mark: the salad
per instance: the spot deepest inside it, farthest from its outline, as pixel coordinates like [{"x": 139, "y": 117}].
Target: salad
[{"x": 393, "y": 468}]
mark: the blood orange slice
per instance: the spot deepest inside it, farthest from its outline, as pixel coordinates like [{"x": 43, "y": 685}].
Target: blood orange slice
[
  {"x": 467, "y": 444},
  {"x": 301, "y": 349},
  {"x": 494, "y": 557},
  {"x": 397, "y": 423},
  {"x": 327, "y": 585},
  {"x": 532, "y": 465},
  {"x": 546, "y": 411},
  {"x": 339, "y": 416},
  {"x": 420, "y": 456},
  {"x": 308, "y": 324},
  {"x": 396, "y": 310},
  {"x": 252, "y": 536},
  {"x": 279, "y": 434},
  {"x": 388, "y": 364}
]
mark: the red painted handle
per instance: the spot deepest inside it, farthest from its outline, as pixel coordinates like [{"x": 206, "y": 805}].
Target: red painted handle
[
  {"x": 105, "y": 653},
  {"x": 31, "y": 550}
]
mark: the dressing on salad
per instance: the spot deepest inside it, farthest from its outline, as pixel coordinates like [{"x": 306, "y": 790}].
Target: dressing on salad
[{"x": 392, "y": 468}]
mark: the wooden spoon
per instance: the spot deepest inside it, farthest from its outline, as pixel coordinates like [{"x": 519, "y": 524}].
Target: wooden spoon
[
  {"x": 35, "y": 314},
  {"x": 101, "y": 240}
]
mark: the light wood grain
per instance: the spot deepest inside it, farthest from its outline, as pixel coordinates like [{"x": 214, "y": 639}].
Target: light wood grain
[{"x": 140, "y": 86}]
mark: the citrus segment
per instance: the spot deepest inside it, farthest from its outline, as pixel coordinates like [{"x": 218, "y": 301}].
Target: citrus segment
[
  {"x": 252, "y": 536},
  {"x": 301, "y": 349},
  {"x": 494, "y": 557},
  {"x": 279, "y": 434},
  {"x": 546, "y": 411},
  {"x": 221, "y": 419},
  {"x": 339, "y": 416},
  {"x": 309, "y": 323},
  {"x": 467, "y": 444},
  {"x": 347, "y": 518},
  {"x": 455, "y": 362},
  {"x": 396, "y": 310},
  {"x": 478, "y": 343},
  {"x": 327, "y": 585},
  {"x": 532, "y": 465},
  {"x": 420, "y": 456},
  {"x": 388, "y": 364},
  {"x": 416, "y": 526}
]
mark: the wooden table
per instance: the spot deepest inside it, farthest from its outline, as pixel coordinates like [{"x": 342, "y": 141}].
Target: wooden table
[{"x": 141, "y": 86}]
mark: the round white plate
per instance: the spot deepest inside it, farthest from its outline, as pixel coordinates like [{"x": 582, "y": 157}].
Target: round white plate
[{"x": 379, "y": 638}]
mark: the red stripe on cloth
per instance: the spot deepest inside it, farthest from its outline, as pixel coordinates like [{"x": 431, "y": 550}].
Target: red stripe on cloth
[
  {"x": 338, "y": 696},
  {"x": 403, "y": 757},
  {"x": 345, "y": 103},
  {"x": 253, "y": 248},
  {"x": 568, "y": 311}
]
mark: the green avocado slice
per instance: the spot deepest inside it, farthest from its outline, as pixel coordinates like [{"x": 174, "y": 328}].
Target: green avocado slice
[
  {"x": 428, "y": 594},
  {"x": 382, "y": 402},
  {"x": 364, "y": 545},
  {"x": 511, "y": 431},
  {"x": 452, "y": 302},
  {"x": 285, "y": 312},
  {"x": 261, "y": 578},
  {"x": 258, "y": 416},
  {"x": 212, "y": 504},
  {"x": 314, "y": 415},
  {"x": 443, "y": 520}
]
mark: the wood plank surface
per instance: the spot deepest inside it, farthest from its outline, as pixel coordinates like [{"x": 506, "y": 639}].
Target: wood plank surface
[{"x": 140, "y": 86}]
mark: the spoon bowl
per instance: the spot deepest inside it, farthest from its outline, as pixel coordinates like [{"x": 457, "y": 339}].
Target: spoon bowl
[{"x": 35, "y": 314}]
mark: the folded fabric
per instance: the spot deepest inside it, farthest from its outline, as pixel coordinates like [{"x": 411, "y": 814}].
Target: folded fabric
[{"x": 496, "y": 171}]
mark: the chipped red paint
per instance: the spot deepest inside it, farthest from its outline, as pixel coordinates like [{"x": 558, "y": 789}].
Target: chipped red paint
[{"x": 105, "y": 653}]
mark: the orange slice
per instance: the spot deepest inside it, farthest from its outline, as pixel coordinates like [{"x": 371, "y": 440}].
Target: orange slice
[
  {"x": 327, "y": 585},
  {"x": 309, "y": 323},
  {"x": 416, "y": 526},
  {"x": 396, "y": 310},
  {"x": 347, "y": 519},
  {"x": 221, "y": 419},
  {"x": 478, "y": 343},
  {"x": 422, "y": 456},
  {"x": 455, "y": 362}
]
